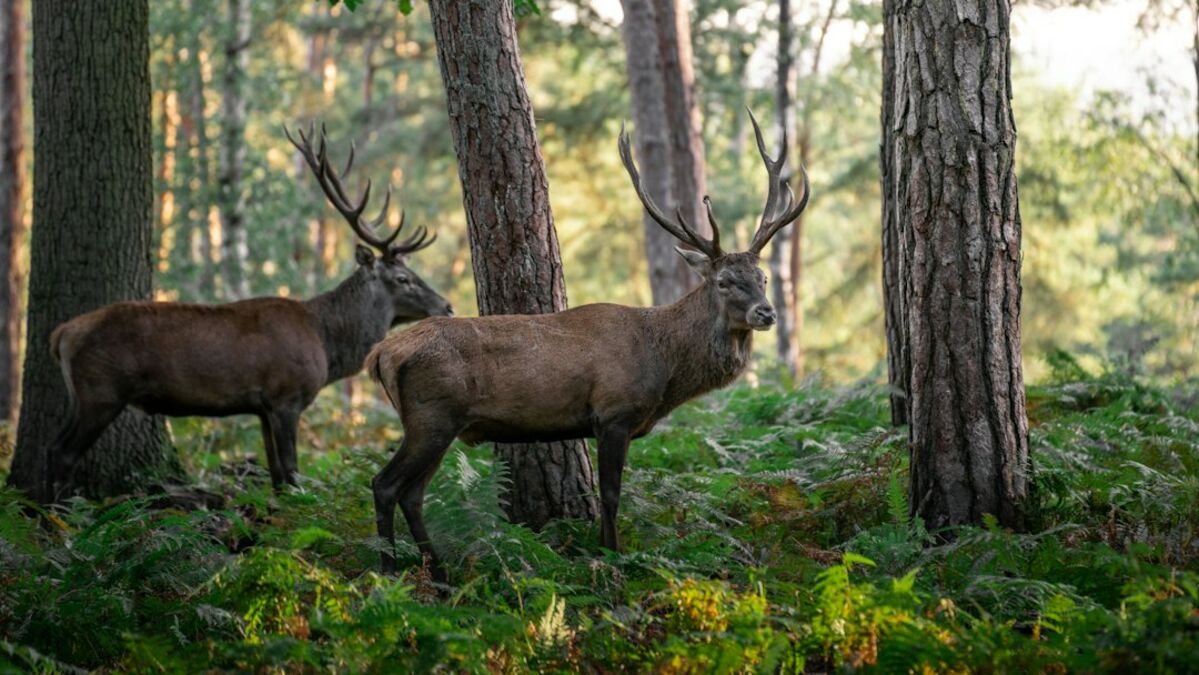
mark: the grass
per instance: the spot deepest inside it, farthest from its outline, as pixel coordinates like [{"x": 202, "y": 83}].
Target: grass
[{"x": 766, "y": 530}]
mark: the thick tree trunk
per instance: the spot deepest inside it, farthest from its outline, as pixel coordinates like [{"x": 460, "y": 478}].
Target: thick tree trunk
[
  {"x": 895, "y": 318},
  {"x": 92, "y": 220},
  {"x": 514, "y": 247},
  {"x": 12, "y": 171},
  {"x": 780, "y": 249},
  {"x": 954, "y": 220},
  {"x": 669, "y": 276},
  {"x": 233, "y": 131}
]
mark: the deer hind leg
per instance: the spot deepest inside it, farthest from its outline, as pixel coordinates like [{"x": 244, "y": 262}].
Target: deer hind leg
[
  {"x": 85, "y": 422},
  {"x": 403, "y": 480}
]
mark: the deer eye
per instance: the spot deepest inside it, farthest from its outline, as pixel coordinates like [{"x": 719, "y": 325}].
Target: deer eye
[{"x": 402, "y": 279}]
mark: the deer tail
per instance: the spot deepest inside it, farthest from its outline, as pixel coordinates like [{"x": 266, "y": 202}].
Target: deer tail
[{"x": 374, "y": 366}]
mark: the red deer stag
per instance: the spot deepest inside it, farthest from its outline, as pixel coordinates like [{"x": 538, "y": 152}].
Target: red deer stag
[
  {"x": 265, "y": 356},
  {"x": 598, "y": 371}
]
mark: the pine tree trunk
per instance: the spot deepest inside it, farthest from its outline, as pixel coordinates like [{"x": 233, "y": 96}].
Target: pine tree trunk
[
  {"x": 93, "y": 215},
  {"x": 780, "y": 249},
  {"x": 895, "y": 319},
  {"x": 682, "y": 114},
  {"x": 669, "y": 276},
  {"x": 514, "y": 247},
  {"x": 12, "y": 171},
  {"x": 953, "y": 218},
  {"x": 233, "y": 131}
]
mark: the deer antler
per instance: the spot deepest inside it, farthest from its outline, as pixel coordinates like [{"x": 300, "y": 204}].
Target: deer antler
[
  {"x": 679, "y": 227},
  {"x": 775, "y": 216},
  {"x": 331, "y": 184}
]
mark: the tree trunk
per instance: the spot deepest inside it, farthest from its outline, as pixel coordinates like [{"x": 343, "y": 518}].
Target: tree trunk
[
  {"x": 682, "y": 114},
  {"x": 233, "y": 131},
  {"x": 780, "y": 249},
  {"x": 514, "y": 247},
  {"x": 93, "y": 221},
  {"x": 669, "y": 276},
  {"x": 894, "y": 317},
  {"x": 953, "y": 218},
  {"x": 12, "y": 171}
]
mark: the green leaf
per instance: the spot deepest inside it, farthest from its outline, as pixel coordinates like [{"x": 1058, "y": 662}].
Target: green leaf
[{"x": 405, "y": 7}]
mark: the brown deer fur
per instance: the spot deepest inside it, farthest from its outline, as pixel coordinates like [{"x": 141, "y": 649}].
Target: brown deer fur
[
  {"x": 266, "y": 356},
  {"x": 598, "y": 371}
]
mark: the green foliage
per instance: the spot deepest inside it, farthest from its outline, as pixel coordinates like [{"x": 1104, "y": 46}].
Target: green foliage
[{"x": 767, "y": 530}]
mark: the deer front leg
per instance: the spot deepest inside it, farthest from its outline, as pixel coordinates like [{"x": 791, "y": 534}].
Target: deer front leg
[{"x": 613, "y": 447}]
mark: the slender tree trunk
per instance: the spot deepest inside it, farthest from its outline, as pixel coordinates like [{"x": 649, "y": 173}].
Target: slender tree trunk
[
  {"x": 233, "y": 131},
  {"x": 514, "y": 247},
  {"x": 682, "y": 113},
  {"x": 669, "y": 276},
  {"x": 92, "y": 220},
  {"x": 12, "y": 172},
  {"x": 951, "y": 206},
  {"x": 780, "y": 249}
]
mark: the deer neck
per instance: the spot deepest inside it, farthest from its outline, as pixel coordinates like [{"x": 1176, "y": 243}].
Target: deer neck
[
  {"x": 352, "y": 318},
  {"x": 701, "y": 350}
]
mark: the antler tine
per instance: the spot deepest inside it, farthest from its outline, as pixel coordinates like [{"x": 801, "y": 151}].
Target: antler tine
[
  {"x": 712, "y": 222},
  {"x": 421, "y": 239},
  {"x": 331, "y": 184},
  {"x": 775, "y": 216},
  {"x": 680, "y": 229}
]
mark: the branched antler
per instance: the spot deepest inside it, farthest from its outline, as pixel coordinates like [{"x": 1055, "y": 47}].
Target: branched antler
[{"x": 776, "y": 216}]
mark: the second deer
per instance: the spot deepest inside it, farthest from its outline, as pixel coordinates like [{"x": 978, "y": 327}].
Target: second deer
[{"x": 265, "y": 356}]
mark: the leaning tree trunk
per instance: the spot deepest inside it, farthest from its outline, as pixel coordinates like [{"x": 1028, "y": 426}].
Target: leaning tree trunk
[
  {"x": 780, "y": 249},
  {"x": 952, "y": 217},
  {"x": 669, "y": 276},
  {"x": 92, "y": 220},
  {"x": 233, "y": 152},
  {"x": 514, "y": 248},
  {"x": 12, "y": 59}
]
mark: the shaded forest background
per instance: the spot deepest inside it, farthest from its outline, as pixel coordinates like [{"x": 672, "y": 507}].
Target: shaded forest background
[{"x": 1108, "y": 179}]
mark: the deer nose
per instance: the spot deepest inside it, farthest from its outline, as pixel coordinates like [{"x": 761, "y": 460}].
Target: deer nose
[
  {"x": 764, "y": 315},
  {"x": 449, "y": 309}
]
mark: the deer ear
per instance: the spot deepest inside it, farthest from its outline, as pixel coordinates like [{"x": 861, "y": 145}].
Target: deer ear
[
  {"x": 696, "y": 260},
  {"x": 364, "y": 255}
]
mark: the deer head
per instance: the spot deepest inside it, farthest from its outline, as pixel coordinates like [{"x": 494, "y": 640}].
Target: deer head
[
  {"x": 738, "y": 284},
  {"x": 381, "y": 260}
]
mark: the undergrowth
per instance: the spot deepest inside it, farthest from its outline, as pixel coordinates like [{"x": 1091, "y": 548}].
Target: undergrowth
[{"x": 765, "y": 530}]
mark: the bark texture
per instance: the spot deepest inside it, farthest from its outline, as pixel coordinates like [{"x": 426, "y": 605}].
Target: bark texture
[
  {"x": 12, "y": 171},
  {"x": 952, "y": 232},
  {"x": 233, "y": 152},
  {"x": 514, "y": 247},
  {"x": 92, "y": 239},
  {"x": 898, "y": 360}
]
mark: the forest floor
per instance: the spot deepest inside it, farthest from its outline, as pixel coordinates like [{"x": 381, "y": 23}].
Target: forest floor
[{"x": 765, "y": 529}]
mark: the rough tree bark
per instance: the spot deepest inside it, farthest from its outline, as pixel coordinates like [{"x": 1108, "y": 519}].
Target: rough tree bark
[
  {"x": 780, "y": 249},
  {"x": 12, "y": 170},
  {"x": 669, "y": 276},
  {"x": 233, "y": 151},
  {"x": 952, "y": 229},
  {"x": 92, "y": 238},
  {"x": 898, "y": 360},
  {"x": 514, "y": 247}
]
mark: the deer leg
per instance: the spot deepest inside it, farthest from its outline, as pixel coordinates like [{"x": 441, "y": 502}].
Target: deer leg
[
  {"x": 613, "y": 447},
  {"x": 79, "y": 434},
  {"x": 285, "y": 427},
  {"x": 403, "y": 480},
  {"x": 272, "y": 453}
]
